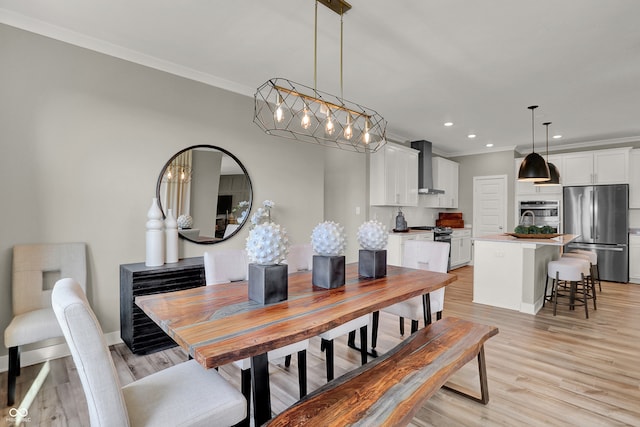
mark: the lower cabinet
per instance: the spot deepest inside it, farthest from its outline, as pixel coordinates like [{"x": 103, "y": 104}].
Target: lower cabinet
[
  {"x": 395, "y": 244},
  {"x": 460, "y": 248},
  {"x": 137, "y": 330}
]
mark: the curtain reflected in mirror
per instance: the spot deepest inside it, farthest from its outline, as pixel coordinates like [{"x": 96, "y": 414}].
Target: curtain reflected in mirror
[{"x": 209, "y": 192}]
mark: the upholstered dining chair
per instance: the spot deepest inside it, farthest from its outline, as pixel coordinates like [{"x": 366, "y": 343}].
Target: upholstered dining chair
[
  {"x": 300, "y": 258},
  {"x": 185, "y": 394},
  {"x": 424, "y": 255},
  {"x": 232, "y": 265},
  {"x": 36, "y": 267}
]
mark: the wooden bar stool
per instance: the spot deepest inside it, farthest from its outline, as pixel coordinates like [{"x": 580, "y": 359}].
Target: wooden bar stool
[{"x": 572, "y": 273}]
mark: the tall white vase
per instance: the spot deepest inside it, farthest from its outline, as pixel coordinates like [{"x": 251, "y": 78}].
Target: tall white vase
[
  {"x": 171, "y": 237},
  {"x": 155, "y": 236}
]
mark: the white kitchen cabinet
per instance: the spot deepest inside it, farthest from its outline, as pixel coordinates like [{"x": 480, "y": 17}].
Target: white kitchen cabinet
[
  {"x": 460, "y": 247},
  {"x": 395, "y": 244},
  {"x": 596, "y": 167},
  {"x": 445, "y": 177},
  {"x": 526, "y": 188},
  {"x": 634, "y": 179},
  {"x": 634, "y": 258},
  {"x": 394, "y": 176}
]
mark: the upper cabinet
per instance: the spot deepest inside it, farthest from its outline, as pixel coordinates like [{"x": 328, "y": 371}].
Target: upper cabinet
[
  {"x": 445, "y": 177},
  {"x": 596, "y": 167},
  {"x": 526, "y": 188},
  {"x": 585, "y": 168},
  {"x": 393, "y": 177}
]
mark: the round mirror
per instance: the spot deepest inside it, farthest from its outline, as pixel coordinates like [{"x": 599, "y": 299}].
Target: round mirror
[{"x": 209, "y": 192}]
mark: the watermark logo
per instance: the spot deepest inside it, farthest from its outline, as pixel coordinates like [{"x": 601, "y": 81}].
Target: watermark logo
[{"x": 17, "y": 416}]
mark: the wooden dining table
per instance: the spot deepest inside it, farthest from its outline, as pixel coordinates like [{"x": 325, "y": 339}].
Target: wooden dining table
[{"x": 218, "y": 324}]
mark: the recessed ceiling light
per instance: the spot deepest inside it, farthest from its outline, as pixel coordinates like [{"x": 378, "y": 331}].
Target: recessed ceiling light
[
  {"x": 471, "y": 135},
  {"x": 557, "y": 136},
  {"x": 448, "y": 124},
  {"x": 489, "y": 145}
]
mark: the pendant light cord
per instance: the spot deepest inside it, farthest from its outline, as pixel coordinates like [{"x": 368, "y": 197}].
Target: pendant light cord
[
  {"x": 547, "y": 126},
  {"x": 533, "y": 137},
  {"x": 341, "y": 32},
  {"x": 315, "y": 52}
]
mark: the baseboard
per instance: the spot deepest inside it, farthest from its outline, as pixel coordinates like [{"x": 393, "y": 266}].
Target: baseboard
[{"x": 40, "y": 355}]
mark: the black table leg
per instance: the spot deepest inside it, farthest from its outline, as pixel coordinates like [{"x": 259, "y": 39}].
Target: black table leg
[{"x": 261, "y": 391}]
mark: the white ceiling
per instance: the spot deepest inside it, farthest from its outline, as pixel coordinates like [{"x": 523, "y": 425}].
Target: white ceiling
[{"x": 419, "y": 63}]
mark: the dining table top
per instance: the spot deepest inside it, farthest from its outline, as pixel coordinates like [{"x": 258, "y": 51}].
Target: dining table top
[{"x": 218, "y": 324}]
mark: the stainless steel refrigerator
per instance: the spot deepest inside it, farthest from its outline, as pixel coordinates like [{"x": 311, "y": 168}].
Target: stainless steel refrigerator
[{"x": 600, "y": 215}]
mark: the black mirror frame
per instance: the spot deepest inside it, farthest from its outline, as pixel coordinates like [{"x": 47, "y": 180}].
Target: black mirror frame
[{"x": 222, "y": 150}]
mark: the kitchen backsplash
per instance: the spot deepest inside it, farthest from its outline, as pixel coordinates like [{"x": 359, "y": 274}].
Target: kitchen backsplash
[
  {"x": 634, "y": 218},
  {"x": 414, "y": 215}
]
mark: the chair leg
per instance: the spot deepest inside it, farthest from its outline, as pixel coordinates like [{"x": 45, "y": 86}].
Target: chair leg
[
  {"x": 584, "y": 296},
  {"x": 426, "y": 309},
  {"x": 554, "y": 293},
  {"x": 245, "y": 388},
  {"x": 287, "y": 360},
  {"x": 414, "y": 326},
  {"x": 374, "y": 332},
  {"x": 363, "y": 344},
  {"x": 14, "y": 371},
  {"x": 328, "y": 354},
  {"x": 402, "y": 326},
  {"x": 351, "y": 341},
  {"x": 544, "y": 295},
  {"x": 302, "y": 372},
  {"x": 439, "y": 315}
]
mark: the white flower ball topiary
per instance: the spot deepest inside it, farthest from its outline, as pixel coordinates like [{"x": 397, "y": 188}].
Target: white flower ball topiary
[
  {"x": 185, "y": 221},
  {"x": 267, "y": 244},
  {"x": 328, "y": 238},
  {"x": 372, "y": 235}
]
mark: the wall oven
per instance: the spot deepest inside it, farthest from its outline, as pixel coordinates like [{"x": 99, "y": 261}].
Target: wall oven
[{"x": 540, "y": 213}]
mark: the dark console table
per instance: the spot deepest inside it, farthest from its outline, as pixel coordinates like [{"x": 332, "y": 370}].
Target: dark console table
[{"x": 137, "y": 330}]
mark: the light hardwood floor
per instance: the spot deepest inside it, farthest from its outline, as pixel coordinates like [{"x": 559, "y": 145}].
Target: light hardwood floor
[{"x": 542, "y": 370}]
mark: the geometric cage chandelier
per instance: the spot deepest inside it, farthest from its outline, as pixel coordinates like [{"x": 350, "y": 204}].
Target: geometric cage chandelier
[{"x": 292, "y": 110}]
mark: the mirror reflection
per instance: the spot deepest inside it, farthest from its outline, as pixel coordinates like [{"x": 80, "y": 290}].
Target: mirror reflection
[{"x": 208, "y": 190}]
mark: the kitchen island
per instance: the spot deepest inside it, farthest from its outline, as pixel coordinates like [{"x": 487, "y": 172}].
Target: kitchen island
[{"x": 510, "y": 272}]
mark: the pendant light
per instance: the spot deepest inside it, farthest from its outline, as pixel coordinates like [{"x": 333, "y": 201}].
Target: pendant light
[
  {"x": 553, "y": 170},
  {"x": 533, "y": 167},
  {"x": 291, "y": 110}
]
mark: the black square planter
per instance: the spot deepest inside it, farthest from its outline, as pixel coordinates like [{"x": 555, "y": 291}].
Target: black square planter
[
  {"x": 328, "y": 271},
  {"x": 268, "y": 283},
  {"x": 372, "y": 263}
]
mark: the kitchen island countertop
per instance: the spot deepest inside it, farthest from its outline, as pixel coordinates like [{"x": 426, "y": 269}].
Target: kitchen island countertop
[{"x": 561, "y": 240}]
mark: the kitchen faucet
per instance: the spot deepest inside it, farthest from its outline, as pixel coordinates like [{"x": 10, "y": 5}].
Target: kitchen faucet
[{"x": 533, "y": 217}]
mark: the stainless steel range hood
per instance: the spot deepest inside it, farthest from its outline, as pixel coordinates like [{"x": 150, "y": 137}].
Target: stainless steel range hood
[{"x": 425, "y": 168}]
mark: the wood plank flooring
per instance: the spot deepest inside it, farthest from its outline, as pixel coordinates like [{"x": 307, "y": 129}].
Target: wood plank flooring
[{"x": 542, "y": 370}]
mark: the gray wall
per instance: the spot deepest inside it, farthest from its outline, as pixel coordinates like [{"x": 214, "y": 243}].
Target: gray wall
[
  {"x": 84, "y": 137},
  {"x": 500, "y": 163}
]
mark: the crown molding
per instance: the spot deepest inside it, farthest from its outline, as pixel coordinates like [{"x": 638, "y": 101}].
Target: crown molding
[
  {"x": 521, "y": 149},
  {"x": 58, "y": 33}
]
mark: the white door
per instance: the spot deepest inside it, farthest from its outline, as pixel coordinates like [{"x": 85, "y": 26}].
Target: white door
[{"x": 489, "y": 205}]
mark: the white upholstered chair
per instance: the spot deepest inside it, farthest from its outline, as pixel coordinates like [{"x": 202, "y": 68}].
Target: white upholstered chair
[
  {"x": 423, "y": 255},
  {"x": 232, "y": 265},
  {"x": 185, "y": 394},
  {"x": 300, "y": 258},
  {"x": 36, "y": 267}
]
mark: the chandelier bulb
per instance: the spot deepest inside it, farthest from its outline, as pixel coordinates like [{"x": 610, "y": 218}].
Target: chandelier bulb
[
  {"x": 169, "y": 174},
  {"x": 306, "y": 120},
  {"x": 366, "y": 137},
  {"x": 329, "y": 127},
  {"x": 279, "y": 114},
  {"x": 348, "y": 131}
]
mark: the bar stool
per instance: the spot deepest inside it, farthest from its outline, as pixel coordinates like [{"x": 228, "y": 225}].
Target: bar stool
[
  {"x": 571, "y": 271},
  {"x": 593, "y": 257}
]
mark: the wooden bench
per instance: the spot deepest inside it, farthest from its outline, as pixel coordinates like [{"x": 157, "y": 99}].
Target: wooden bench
[{"x": 390, "y": 389}]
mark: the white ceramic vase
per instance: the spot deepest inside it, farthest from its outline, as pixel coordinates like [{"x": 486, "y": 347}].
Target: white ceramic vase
[{"x": 154, "y": 236}]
